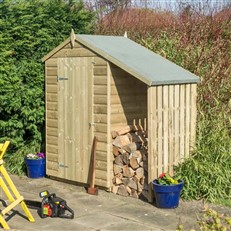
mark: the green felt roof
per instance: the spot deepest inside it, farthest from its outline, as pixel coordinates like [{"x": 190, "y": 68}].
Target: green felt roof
[{"x": 137, "y": 60}]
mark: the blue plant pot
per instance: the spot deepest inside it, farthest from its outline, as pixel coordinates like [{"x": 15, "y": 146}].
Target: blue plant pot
[
  {"x": 167, "y": 196},
  {"x": 36, "y": 168}
]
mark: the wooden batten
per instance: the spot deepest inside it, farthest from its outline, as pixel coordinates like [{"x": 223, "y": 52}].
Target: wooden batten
[
  {"x": 171, "y": 128},
  {"x": 193, "y": 113},
  {"x": 52, "y": 80},
  {"x": 159, "y": 129},
  {"x": 187, "y": 119},
  {"x": 176, "y": 123},
  {"x": 52, "y": 131}
]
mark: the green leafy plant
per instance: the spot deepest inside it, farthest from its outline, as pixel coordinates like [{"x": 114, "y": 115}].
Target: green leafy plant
[
  {"x": 29, "y": 30},
  {"x": 198, "y": 42},
  {"x": 214, "y": 221},
  {"x": 211, "y": 220},
  {"x": 166, "y": 179},
  {"x": 207, "y": 172}
]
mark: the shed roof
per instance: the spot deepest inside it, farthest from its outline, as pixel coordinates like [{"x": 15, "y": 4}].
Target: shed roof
[{"x": 137, "y": 60}]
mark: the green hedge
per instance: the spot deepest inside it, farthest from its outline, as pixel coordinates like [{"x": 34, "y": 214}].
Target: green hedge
[{"x": 29, "y": 30}]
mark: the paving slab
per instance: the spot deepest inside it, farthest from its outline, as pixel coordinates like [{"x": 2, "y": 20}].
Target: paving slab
[{"x": 106, "y": 211}]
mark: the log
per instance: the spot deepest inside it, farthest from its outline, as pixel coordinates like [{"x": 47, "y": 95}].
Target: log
[
  {"x": 126, "y": 158},
  {"x": 122, "y": 190},
  {"x": 130, "y": 152},
  {"x": 136, "y": 178},
  {"x": 116, "y": 151},
  {"x": 119, "y": 160},
  {"x": 119, "y": 175},
  {"x": 132, "y": 184},
  {"x": 139, "y": 172},
  {"x": 118, "y": 181},
  {"x": 129, "y": 190},
  {"x": 134, "y": 193},
  {"x": 125, "y": 180},
  {"x": 142, "y": 153},
  {"x": 134, "y": 163},
  {"x": 117, "y": 169},
  {"x": 115, "y": 188},
  {"x": 138, "y": 155},
  {"x": 132, "y": 147},
  {"x": 128, "y": 171},
  {"x": 124, "y": 130},
  {"x": 121, "y": 141}
]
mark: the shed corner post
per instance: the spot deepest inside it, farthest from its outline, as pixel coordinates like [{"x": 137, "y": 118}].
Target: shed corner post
[{"x": 152, "y": 126}]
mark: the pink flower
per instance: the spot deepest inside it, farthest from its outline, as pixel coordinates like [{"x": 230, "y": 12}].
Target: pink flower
[{"x": 41, "y": 155}]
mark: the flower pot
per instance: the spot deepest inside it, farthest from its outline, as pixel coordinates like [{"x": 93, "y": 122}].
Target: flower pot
[
  {"x": 36, "y": 168},
  {"x": 167, "y": 196}
]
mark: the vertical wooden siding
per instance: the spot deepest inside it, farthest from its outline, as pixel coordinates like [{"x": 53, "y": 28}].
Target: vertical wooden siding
[
  {"x": 171, "y": 126},
  {"x": 52, "y": 128},
  {"x": 75, "y": 114}
]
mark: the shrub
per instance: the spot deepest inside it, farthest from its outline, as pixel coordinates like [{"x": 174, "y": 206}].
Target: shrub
[
  {"x": 207, "y": 172},
  {"x": 29, "y": 30},
  {"x": 199, "y": 43}
]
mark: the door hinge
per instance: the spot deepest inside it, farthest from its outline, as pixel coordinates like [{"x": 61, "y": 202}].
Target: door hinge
[
  {"x": 61, "y": 78},
  {"x": 91, "y": 124}
]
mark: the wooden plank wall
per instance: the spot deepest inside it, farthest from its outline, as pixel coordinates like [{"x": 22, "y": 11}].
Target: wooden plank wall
[
  {"x": 171, "y": 126},
  {"x": 128, "y": 99},
  {"x": 128, "y": 103},
  {"x": 100, "y": 85},
  {"x": 51, "y": 89}
]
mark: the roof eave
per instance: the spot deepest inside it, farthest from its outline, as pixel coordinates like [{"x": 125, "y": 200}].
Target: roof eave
[
  {"x": 55, "y": 50},
  {"x": 174, "y": 82}
]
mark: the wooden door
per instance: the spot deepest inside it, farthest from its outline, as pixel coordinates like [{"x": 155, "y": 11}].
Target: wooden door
[{"x": 75, "y": 117}]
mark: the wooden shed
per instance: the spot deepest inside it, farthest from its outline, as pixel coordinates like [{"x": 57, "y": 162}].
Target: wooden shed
[{"x": 96, "y": 84}]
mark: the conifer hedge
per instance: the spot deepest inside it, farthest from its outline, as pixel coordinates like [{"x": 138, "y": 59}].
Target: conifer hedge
[{"x": 28, "y": 31}]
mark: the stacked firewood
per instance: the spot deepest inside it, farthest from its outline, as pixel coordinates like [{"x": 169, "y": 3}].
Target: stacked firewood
[{"x": 130, "y": 161}]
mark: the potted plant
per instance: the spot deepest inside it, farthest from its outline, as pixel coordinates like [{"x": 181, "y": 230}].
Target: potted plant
[
  {"x": 167, "y": 190},
  {"x": 36, "y": 165}
]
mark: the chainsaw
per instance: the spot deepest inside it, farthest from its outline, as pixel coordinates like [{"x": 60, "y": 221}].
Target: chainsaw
[{"x": 53, "y": 206}]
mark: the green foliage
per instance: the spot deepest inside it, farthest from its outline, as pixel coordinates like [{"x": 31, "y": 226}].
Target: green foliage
[
  {"x": 200, "y": 44},
  {"x": 29, "y": 30},
  {"x": 166, "y": 179},
  {"x": 214, "y": 221},
  {"x": 211, "y": 220},
  {"x": 207, "y": 172}
]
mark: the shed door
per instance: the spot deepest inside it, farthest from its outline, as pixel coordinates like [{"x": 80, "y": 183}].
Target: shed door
[{"x": 74, "y": 118}]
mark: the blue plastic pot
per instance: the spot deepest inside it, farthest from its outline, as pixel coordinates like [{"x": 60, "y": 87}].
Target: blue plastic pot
[
  {"x": 167, "y": 196},
  {"x": 36, "y": 168}
]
